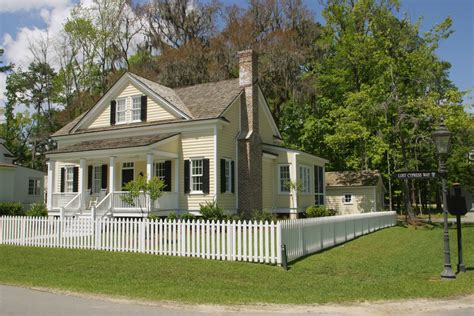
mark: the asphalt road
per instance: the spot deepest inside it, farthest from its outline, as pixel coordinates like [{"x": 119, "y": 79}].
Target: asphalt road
[{"x": 23, "y": 301}]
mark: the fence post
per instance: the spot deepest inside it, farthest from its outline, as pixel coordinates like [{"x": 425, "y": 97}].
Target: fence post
[
  {"x": 61, "y": 213},
  {"x": 93, "y": 213},
  {"x": 284, "y": 261},
  {"x": 1, "y": 229},
  {"x": 278, "y": 244}
]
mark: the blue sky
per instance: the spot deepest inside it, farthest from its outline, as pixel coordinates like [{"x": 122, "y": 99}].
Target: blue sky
[{"x": 23, "y": 20}]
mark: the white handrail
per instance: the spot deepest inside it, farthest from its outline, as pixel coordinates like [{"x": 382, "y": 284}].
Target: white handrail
[
  {"x": 74, "y": 204},
  {"x": 104, "y": 205}
]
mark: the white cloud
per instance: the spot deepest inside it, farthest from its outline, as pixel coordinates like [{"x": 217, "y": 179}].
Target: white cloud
[{"x": 26, "y": 5}]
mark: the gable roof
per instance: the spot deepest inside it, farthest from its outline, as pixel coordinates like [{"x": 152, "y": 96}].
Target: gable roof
[
  {"x": 202, "y": 101},
  {"x": 352, "y": 178}
]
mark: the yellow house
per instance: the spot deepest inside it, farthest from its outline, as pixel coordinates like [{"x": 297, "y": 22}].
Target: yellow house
[
  {"x": 350, "y": 192},
  {"x": 209, "y": 142}
]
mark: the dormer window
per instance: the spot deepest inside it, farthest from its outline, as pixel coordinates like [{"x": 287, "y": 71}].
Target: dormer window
[
  {"x": 121, "y": 111},
  {"x": 136, "y": 109},
  {"x": 128, "y": 110}
]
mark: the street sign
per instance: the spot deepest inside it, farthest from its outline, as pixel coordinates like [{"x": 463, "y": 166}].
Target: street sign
[{"x": 416, "y": 175}]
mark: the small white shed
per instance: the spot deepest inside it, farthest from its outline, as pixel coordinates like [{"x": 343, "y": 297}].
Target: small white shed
[{"x": 351, "y": 192}]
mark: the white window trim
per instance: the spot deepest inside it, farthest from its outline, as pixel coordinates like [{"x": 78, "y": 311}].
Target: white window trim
[
  {"x": 316, "y": 193},
  {"x": 231, "y": 176},
  {"x": 94, "y": 178},
  {"x": 344, "y": 199},
  {"x": 117, "y": 111},
  {"x": 126, "y": 168},
  {"x": 132, "y": 98},
  {"x": 67, "y": 179},
  {"x": 36, "y": 186},
  {"x": 308, "y": 169},
  {"x": 191, "y": 191},
  {"x": 155, "y": 169},
  {"x": 279, "y": 178},
  {"x": 128, "y": 109}
]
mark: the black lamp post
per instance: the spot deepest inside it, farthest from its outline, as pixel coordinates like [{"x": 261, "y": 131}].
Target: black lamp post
[{"x": 441, "y": 137}]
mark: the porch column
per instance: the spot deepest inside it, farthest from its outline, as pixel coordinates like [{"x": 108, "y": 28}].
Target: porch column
[
  {"x": 149, "y": 173},
  {"x": 112, "y": 174},
  {"x": 82, "y": 182},
  {"x": 149, "y": 166},
  {"x": 294, "y": 180},
  {"x": 51, "y": 174}
]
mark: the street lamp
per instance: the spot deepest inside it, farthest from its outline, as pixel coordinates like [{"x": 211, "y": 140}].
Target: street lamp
[{"x": 441, "y": 137}]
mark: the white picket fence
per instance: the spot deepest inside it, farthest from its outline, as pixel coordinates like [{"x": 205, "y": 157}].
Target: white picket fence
[
  {"x": 229, "y": 240},
  {"x": 306, "y": 236}
]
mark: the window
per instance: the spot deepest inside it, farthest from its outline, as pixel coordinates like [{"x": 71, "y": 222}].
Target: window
[
  {"x": 127, "y": 165},
  {"x": 228, "y": 175},
  {"x": 121, "y": 110},
  {"x": 196, "y": 175},
  {"x": 305, "y": 181},
  {"x": 34, "y": 186},
  {"x": 319, "y": 185},
  {"x": 284, "y": 178},
  {"x": 136, "y": 108},
  {"x": 97, "y": 179},
  {"x": 347, "y": 199},
  {"x": 160, "y": 170},
  {"x": 69, "y": 178}
]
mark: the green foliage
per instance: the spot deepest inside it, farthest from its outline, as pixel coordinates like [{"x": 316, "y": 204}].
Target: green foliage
[
  {"x": 11, "y": 208},
  {"x": 140, "y": 187},
  {"x": 187, "y": 216},
  {"x": 262, "y": 215},
  {"x": 172, "y": 216},
  {"x": 319, "y": 211},
  {"x": 212, "y": 211},
  {"x": 37, "y": 209}
]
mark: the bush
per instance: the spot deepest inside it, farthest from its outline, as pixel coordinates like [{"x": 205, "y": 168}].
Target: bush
[
  {"x": 11, "y": 208},
  {"x": 187, "y": 216},
  {"x": 319, "y": 211},
  {"x": 37, "y": 209},
  {"x": 262, "y": 215},
  {"x": 172, "y": 216},
  {"x": 212, "y": 211}
]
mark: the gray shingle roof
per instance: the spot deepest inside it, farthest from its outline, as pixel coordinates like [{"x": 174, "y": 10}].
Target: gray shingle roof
[
  {"x": 352, "y": 178},
  {"x": 202, "y": 101},
  {"x": 102, "y": 144}
]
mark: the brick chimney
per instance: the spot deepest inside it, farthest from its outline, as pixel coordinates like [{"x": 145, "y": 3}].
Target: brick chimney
[{"x": 249, "y": 141}]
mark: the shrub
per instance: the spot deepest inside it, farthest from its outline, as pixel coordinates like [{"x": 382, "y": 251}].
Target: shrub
[
  {"x": 11, "y": 208},
  {"x": 153, "y": 217},
  {"x": 172, "y": 216},
  {"x": 212, "y": 211},
  {"x": 37, "y": 209},
  {"x": 262, "y": 215},
  {"x": 187, "y": 216},
  {"x": 319, "y": 211}
]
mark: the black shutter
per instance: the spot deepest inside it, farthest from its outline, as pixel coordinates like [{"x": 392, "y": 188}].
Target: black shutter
[
  {"x": 75, "y": 179},
  {"x": 187, "y": 164},
  {"x": 89, "y": 177},
  {"x": 104, "y": 177},
  {"x": 113, "y": 104},
  {"x": 63, "y": 179},
  {"x": 167, "y": 176},
  {"x": 144, "y": 108},
  {"x": 223, "y": 175},
  {"x": 205, "y": 176},
  {"x": 232, "y": 172}
]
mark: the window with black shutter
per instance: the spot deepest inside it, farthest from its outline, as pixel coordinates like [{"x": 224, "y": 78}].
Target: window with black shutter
[
  {"x": 75, "y": 179},
  {"x": 223, "y": 176},
  {"x": 63, "y": 180},
  {"x": 104, "y": 177},
  {"x": 144, "y": 108},
  {"x": 205, "y": 176},
  {"x": 167, "y": 176},
  {"x": 187, "y": 173},
  {"x": 113, "y": 105},
  {"x": 233, "y": 176},
  {"x": 89, "y": 177},
  {"x": 227, "y": 176}
]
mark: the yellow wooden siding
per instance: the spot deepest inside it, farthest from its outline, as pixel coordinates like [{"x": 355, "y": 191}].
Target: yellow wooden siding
[
  {"x": 155, "y": 111},
  {"x": 226, "y": 147},
  {"x": 308, "y": 199},
  {"x": 282, "y": 200},
  {"x": 363, "y": 199},
  {"x": 265, "y": 129},
  {"x": 199, "y": 144},
  {"x": 268, "y": 183}
]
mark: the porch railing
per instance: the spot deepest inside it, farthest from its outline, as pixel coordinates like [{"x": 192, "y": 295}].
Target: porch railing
[
  {"x": 168, "y": 201},
  {"x": 73, "y": 205},
  {"x": 61, "y": 199},
  {"x": 103, "y": 206},
  {"x": 140, "y": 202}
]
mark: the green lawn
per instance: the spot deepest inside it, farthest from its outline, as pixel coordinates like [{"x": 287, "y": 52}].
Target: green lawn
[{"x": 395, "y": 263}]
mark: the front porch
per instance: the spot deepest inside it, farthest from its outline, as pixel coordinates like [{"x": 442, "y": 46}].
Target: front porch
[{"x": 93, "y": 185}]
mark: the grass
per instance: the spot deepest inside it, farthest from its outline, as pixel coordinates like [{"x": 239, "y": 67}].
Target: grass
[{"x": 395, "y": 263}]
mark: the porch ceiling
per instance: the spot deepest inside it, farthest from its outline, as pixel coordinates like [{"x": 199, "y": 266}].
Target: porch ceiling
[{"x": 113, "y": 143}]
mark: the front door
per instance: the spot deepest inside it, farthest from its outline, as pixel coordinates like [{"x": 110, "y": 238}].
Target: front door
[{"x": 127, "y": 176}]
